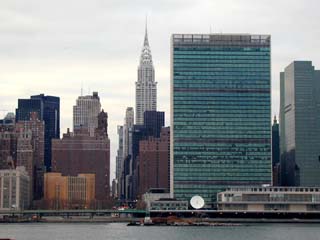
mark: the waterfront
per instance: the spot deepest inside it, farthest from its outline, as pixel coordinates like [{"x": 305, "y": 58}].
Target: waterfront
[{"x": 85, "y": 231}]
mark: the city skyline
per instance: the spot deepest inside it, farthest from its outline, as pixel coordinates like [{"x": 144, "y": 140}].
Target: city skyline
[{"x": 93, "y": 56}]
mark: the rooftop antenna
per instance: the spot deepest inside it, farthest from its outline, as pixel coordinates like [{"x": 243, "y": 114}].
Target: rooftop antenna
[
  {"x": 210, "y": 30},
  {"x": 146, "y": 22},
  {"x": 81, "y": 88}
]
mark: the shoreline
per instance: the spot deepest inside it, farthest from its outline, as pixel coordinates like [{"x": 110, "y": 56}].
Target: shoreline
[{"x": 196, "y": 221}]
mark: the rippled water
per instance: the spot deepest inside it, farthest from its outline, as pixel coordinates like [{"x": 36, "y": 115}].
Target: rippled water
[{"x": 84, "y": 231}]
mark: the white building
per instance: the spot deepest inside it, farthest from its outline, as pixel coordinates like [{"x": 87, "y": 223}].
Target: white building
[
  {"x": 146, "y": 87},
  {"x": 264, "y": 199},
  {"x": 85, "y": 113},
  {"x": 127, "y": 132},
  {"x": 14, "y": 189}
]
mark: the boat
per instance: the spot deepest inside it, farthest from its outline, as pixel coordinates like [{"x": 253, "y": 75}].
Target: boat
[{"x": 148, "y": 221}]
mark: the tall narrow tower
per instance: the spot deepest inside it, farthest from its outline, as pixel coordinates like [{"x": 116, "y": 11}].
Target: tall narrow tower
[{"x": 146, "y": 87}]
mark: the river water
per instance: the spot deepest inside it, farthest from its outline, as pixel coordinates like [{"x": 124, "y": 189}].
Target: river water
[{"x": 114, "y": 231}]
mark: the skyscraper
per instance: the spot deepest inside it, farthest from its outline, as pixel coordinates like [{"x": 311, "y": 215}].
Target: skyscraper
[
  {"x": 275, "y": 153},
  {"x": 146, "y": 87},
  {"x": 300, "y": 124},
  {"x": 126, "y": 163},
  {"x": 153, "y": 122},
  {"x": 80, "y": 153},
  {"x": 31, "y": 135},
  {"x": 119, "y": 159},
  {"x": 220, "y": 113},
  {"x": 127, "y": 132},
  {"x": 154, "y": 157},
  {"x": 85, "y": 112},
  {"x": 48, "y": 109}
]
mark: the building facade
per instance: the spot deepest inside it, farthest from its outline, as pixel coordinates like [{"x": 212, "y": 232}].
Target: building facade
[
  {"x": 48, "y": 110},
  {"x": 79, "y": 152},
  {"x": 14, "y": 189},
  {"x": 153, "y": 122},
  {"x": 300, "y": 124},
  {"x": 30, "y": 142},
  {"x": 67, "y": 192},
  {"x": 85, "y": 112},
  {"x": 146, "y": 87},
  {"x": 8, "y": 146},
  {"x": 154, "y": 162},
  {"x": 275, "y": 153},
  {"x": 266, "y": 199},
  {"x": 220, "y": 113}
]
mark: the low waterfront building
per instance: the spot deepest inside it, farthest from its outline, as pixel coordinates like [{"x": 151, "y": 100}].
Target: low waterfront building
[
  {"x": 65, "y": 192},
  {"x": 14, "y": 189},
  {"x": 164, "y": 204},
  {"x": 159, "y": 199},
  {"x": 260, "y": 199}
]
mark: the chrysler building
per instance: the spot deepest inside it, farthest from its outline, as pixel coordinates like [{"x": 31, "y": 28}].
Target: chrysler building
[{"x": 146, "y": 87}]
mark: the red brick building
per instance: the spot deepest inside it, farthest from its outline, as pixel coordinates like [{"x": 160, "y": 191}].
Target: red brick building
[
  {"x": 154, "y": 162},
  {"x": 78, "y": 153}
]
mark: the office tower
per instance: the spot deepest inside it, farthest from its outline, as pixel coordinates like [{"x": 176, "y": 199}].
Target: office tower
[
  {"x": 154, "y": 162},
  {"x": 300, "y": 124},
  {"x": 69, "y": 192},
  {"x": 85, "y": 112},
  {"x": 153, "y": 122},
  {"x": 48, "y": 109},
  {"x": 220, "y": 113},
  {"x": 81, "y": 153},
  {"x": 275, "y": 153},
  {"x": 126, "y": 161},
  {"x": 119, "y": 159},
  {"x": 119, "y": 156},
  {"x": 25, "y": 155},
  {"x": 14, "y": 189},
  {"x": 31, "y": 133},
  {"x": 146, "y": 87},
  {"x": 127, "y": 132}
]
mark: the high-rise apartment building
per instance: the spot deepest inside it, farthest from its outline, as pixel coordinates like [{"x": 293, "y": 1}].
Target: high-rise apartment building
[
  {"x": 146, "y": 87},
  {"x": 85, "y": 112},
  {"x": 300, "y": 124},
  {"x": 48, "y": 109},
  {"x": 220, "y": 113},
  {"x": 14, "y": 189}
]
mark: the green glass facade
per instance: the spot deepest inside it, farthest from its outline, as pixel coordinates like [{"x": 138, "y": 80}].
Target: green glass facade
[{"x": 220, "y": 113}]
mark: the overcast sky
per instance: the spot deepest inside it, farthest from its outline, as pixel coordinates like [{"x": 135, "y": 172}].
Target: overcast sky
[{"x": 52, "y": 47}]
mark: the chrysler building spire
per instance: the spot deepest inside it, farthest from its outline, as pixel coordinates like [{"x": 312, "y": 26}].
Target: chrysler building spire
[
  {"x": 146, "y": 57},
  {"x": 146, "y": 87}
]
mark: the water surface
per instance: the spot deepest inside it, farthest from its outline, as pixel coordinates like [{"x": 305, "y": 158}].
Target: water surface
[{"x": 108, "y": 231}]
